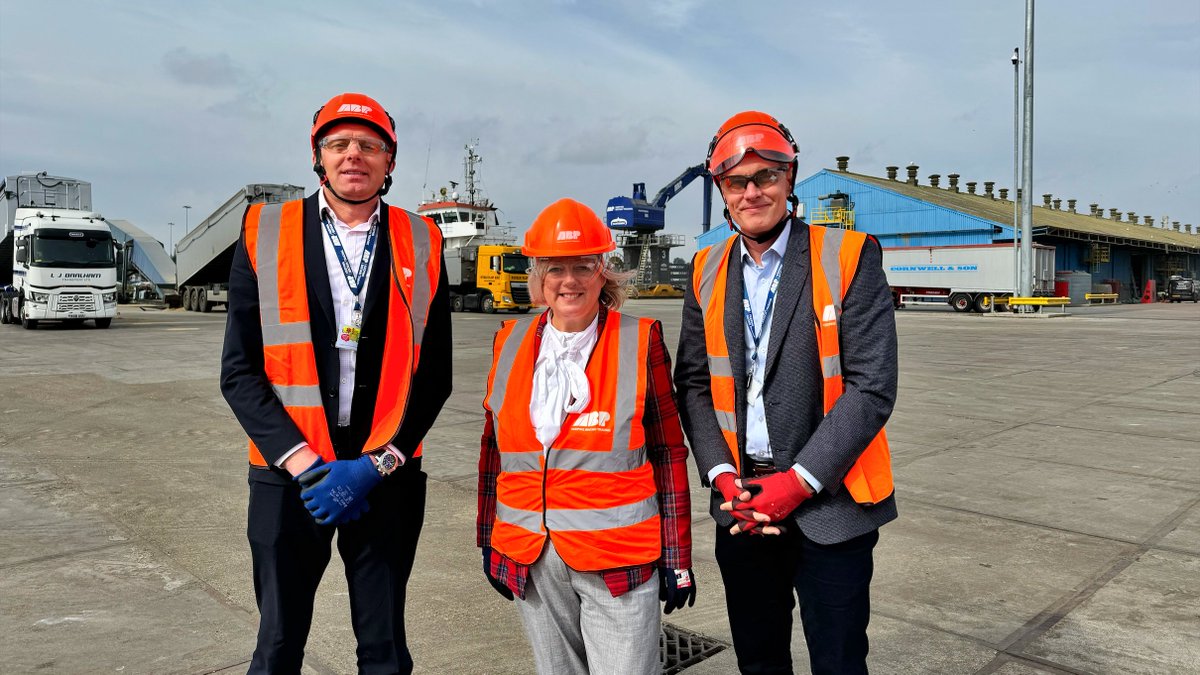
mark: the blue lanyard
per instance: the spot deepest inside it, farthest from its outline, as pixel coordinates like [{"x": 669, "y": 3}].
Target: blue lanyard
[
  {"x": 754, "y": 334},
  {"x": 354, "y": 280}
]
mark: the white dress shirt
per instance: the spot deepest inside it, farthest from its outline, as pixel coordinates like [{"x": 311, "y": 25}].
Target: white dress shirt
[{"x": 757, "y": 280}]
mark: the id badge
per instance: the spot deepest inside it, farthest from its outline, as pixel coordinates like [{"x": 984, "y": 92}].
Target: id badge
[{"x": 348, "y": 337}]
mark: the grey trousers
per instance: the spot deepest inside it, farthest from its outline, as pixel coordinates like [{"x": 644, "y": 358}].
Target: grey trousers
[{"x": 576, "y": 626}]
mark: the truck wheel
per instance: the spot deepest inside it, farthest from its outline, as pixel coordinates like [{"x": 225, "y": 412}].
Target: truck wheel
[
  {"x": 983, "y": 303},
  {"x": 4, "y": 310},
  {"x": 202, "y": 300},
  {"x": 456, "y": 303},
  {"x": 26, "y": 322},
  {"x": 961, "y": 302},
  {"x": 188, "y": 296},
  {"x": 104, "y": 323},
  {"x": 487, "y": 305}
]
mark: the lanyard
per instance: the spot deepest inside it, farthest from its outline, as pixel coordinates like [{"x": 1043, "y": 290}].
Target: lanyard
[
  {"x": 754, "y": 334},
  {"x": 354, "y": 280}
]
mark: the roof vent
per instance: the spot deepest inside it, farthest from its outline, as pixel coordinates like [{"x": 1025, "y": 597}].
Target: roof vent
[
  {"x": 988, "y": 186},
  {"x": 843, "y": 163},
  {"x": 934, "y": 178},
  {"x": 1058, "y": 205},
  {"x": 1114, "y": 214},
  {"x": 1096, "y": 210},
  {"x": 953, "y": 182},
  {"x": 912, "y": 174},
  {"x": 1132, "y": 217},
  {"x": 971, "y": 187},
  {"x": 1148, "y": 220},
  {"x": 1004, "y": 193},
  {"x": 891, "y": 170},
  {"x": 1046, "y": 200},
  {"x": 1071, "y": 205}
]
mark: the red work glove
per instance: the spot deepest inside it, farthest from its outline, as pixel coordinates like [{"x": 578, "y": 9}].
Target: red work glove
[
  {"x": 725, "y": 484},
  {"x": 775, "y": 495}
]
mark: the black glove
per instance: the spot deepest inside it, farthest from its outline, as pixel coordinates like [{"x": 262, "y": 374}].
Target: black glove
[
  {"x": 487, "y": 572},
  {"x": 676, "y": 587}
]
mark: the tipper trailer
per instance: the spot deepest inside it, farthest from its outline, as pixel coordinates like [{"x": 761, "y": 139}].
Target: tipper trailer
[
  {"x": 968, "y": 277},
  {"x": 204, "y": 256}
]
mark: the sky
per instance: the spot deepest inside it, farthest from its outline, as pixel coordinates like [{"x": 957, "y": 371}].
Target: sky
[{"x": 169, "y": 103}]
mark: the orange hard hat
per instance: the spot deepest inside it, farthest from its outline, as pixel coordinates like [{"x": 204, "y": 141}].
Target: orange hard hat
[
  {"x": 352, "y": 107},
  {"x": 567, "y": 228},
  {"x": 750, "y": 131}
]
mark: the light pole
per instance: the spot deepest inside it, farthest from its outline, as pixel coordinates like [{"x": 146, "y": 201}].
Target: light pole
[
  {"x": 171, "y": 244},
  {"x": 1016, "y": 61},
  {"x": 1027, "y": 161},
  {"x": 186, "y": 210}
]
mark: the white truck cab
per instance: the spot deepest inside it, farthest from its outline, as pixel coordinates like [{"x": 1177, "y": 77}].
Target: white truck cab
[{"x": 63, "y": 267}]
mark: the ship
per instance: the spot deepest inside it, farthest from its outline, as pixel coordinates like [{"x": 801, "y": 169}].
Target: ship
[{"x": 467, "y": 217}]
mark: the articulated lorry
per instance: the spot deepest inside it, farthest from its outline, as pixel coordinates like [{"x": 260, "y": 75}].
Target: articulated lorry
[
  {"x": 63, "y": 262},
  {"x": 488, "y": 277},
  {"x": 968, "y": 278},
  {"x": 204, "y": 256}
]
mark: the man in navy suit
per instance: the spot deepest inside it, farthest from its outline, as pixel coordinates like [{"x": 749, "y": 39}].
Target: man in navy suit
[
  {"x": 787, "y": 373},
  {"x": 336, "y": 363}
]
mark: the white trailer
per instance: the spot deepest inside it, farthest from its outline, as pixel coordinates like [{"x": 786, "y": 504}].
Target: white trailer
[
  {"x": 204, "y": 256},
  {"x": 63, "y": 263},
  {"x": 968, "y": 278}
]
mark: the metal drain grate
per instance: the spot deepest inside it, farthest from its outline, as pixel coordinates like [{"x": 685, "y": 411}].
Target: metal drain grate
[{"x": 679, "y": 649}]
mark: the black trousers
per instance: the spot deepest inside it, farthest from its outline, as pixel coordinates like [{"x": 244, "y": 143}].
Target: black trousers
[
  {"x": 290, "y": 552},
  {"x": 764, "y": 575}
]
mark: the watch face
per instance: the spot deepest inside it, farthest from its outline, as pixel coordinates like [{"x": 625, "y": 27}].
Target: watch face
[{"x": 387, "y": 462}]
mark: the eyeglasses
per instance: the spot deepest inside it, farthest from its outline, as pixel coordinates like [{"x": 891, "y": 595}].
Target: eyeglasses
[
  {"x": 582, "y": 269},
  {"x": 340, "y": 145},
  {"x": 763, "y": 179}
]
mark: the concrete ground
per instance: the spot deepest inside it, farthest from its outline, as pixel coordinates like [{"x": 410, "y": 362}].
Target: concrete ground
[{"x": 1048, "y": 479}]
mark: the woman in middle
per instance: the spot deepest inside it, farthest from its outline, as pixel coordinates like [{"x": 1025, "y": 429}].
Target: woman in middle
[{"x": 583, "y": 489}]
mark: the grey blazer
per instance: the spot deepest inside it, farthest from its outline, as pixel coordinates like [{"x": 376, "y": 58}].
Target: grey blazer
[{"x": 826, "y": 446}]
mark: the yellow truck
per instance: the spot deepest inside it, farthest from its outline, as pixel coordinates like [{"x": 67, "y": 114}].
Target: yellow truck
[{"x": 487, "y": 278}]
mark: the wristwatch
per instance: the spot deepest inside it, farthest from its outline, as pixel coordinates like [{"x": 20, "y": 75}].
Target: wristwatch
[{"x": 387, "y": 461}]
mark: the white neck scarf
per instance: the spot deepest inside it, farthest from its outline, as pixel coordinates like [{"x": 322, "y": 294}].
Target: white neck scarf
[{"x": 560, "y": 385}]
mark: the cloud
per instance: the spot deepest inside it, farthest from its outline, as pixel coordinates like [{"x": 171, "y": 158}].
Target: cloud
[{"x": 187, "y": 67}]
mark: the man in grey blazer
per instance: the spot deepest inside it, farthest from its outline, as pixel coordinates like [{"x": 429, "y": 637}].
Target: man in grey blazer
[{"x": 787, "y": 371}]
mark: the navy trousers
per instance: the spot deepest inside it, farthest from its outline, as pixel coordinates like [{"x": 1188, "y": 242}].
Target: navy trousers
[
  {"x": 764, "y": 575},
  {"x": 290, "y": 553}
]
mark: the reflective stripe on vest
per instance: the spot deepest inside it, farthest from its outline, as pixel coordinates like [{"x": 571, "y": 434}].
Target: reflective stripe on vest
[
  {"x": 592, "y": 492},
  {"x": 834, "y": 256},
  {"x": 274, "y": 240}
]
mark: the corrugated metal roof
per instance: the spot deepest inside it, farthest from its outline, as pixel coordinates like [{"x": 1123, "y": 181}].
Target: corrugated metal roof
[{"x": 1055, "y": 222}]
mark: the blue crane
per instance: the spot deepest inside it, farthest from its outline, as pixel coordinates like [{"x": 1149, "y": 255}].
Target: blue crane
[{"x": 638, "y": 215}]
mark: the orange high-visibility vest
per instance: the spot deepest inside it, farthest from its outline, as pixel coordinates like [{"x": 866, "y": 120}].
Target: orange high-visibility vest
[
  {"x": 275, "y": 244},
  {"x": 834, "y": 255},
  {"x": 592, "y": 492}
]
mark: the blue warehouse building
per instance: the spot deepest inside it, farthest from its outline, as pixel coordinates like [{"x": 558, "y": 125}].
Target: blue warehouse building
[{"x": 902, "y": 212}]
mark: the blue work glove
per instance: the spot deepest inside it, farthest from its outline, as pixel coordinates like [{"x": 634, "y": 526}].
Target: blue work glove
[
  {"x": 487, "y": 572},
  {"x": 675, "y": 587},
  {"x": 336, "y": 493}
]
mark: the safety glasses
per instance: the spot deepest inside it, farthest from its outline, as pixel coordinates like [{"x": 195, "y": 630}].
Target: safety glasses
[
  {"x": 582, "y": 269},
  {"x": 340, "y": 145},
  {"x": 765, "y": 178}
]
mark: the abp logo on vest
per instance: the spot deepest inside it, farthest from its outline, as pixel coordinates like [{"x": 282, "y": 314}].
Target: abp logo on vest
[{"x": 593, "y": 421}]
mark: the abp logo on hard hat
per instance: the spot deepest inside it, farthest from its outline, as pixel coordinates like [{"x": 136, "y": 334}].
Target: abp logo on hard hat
[
  {"x": 355, "y": 108},
  {"x": 569, "y": 235}
]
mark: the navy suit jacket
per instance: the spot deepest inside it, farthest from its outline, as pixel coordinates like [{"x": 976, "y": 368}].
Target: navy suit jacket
[
  {"x": 825, "y": 445},
  {"x": 243, "y": 379}
]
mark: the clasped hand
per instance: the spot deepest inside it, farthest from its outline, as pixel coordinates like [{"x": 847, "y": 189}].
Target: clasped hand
[
  {"x": 336, "y": 492},
  {"x": 759, "y": 504}
]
